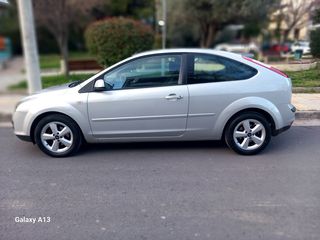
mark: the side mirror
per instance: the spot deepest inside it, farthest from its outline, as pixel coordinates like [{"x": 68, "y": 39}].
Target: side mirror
[{"x": 99, "y": 85}]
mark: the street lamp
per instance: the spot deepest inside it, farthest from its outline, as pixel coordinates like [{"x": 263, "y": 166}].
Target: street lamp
[{"x": 163, "y": 23}]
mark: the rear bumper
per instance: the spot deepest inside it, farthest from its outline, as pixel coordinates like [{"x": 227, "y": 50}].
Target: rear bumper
[
  {"x": 292, "y": 108},
  {"x": 287, "y": 118},
  {"x": 281, "y": 130}
]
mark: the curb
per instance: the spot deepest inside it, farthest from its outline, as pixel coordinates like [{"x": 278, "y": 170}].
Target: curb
[
  {"x": 305, "y": 115},
  {"x": 308, "y": 115},
  {"x": 5, "y": 117},
  {"x": 306, "y": 90}
]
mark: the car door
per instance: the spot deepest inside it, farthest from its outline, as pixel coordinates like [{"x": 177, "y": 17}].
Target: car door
[
  {"x": 213, "y": 83},
  {"x": 145, "y": 99}
]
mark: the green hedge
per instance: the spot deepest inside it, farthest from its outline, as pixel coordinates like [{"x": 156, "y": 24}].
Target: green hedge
[
  {"x": 114, "y": 39},
  {"x": 315, "y": 43}
]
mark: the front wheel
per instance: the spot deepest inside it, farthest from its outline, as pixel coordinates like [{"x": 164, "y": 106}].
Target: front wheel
[
  {"x": 58, "y": 135},
  {"x": 248, "y": 133}
]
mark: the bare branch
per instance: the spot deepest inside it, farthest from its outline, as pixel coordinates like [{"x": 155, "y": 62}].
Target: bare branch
[{"x": 57, "y": 15}]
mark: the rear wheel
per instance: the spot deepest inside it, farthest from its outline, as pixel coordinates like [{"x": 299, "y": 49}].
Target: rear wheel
[
  {"x": 248, "y": 133},
  {"x": 58, "y": 135}
]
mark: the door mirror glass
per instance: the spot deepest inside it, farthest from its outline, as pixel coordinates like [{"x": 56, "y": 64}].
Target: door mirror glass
[{"x": 99, "y": 85}]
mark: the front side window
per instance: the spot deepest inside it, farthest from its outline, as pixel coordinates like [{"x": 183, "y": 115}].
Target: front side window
[
  {"x": 208, "y": 68},
  {"x": 155, "y": 71}
]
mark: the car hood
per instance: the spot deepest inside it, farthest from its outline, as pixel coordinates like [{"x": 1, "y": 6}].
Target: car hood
[{"x": 55, "y": 90}]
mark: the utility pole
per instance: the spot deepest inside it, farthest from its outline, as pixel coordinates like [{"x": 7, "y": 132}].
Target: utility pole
[
  {"x": 29, "y": 45},
  {"x": 164, "y": 27}
]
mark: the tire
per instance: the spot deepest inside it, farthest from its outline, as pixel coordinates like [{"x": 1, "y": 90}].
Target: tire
[
  {"x": 58, "y": 136},
  {"x": 248, "y": 133}
]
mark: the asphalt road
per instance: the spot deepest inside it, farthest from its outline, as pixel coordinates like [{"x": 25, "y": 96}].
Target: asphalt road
[{"x": 195, "y": 190}]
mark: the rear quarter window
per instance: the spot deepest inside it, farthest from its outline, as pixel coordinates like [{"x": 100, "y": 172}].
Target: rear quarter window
[{"x": 203, "y": 68}]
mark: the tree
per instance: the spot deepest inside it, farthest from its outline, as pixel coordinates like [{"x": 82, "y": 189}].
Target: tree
[
  {"x": 316, "y": 13},
  {"x": 180, "y": 31},
  {"x": 315, "y": 43},
  {"x": 9, "y": 26},
  {"x": 114, "y": 39},
  {"x": 58, "y": 15},
  {"x": 213, "y": 15},
  {"x": 138, "y": 9},
  {"x": 296, "y": 14},
  {"x": 315, "y": 34}
]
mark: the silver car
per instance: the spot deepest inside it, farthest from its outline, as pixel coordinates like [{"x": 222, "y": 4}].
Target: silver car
[{"x": 163, "y": 95}]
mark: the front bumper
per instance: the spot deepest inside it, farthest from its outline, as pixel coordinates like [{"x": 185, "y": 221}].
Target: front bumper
[
  {"x": 19, "y": 127},
  {"x": 24, "y": 138}
]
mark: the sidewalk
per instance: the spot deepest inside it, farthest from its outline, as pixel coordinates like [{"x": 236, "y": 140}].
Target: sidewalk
[
  {"x": 308, "y": 105},
  {"x": 14, "y": 73},
  {"x": 306, "y": 102}
]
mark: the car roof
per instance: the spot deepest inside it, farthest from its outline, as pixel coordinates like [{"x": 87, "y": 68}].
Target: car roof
[{"x": 187, "y": 50}]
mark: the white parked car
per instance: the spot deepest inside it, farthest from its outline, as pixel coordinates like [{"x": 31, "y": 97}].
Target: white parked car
[
  {"x": 237, "y": 47},
  {"x": 164, "y": 95},
  {"x": 301, "y": 45}
]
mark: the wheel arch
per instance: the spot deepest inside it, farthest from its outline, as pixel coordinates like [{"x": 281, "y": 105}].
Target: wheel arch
[
  {"x": 264, "y": 113},
  {"x": 254, "y": 104},
  {"x": 45, "y": 114}
]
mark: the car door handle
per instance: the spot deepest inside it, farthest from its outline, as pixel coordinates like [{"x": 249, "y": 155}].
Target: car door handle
[{"x": 173, "y": 96}]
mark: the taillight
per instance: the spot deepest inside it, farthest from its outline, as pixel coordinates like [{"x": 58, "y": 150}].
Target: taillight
[{"x": 266, "y": 66}]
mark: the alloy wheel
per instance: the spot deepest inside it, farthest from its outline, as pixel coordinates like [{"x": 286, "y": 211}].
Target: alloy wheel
[
  {"x": 57, "y": 137},
  {"x": 249, "y": 134}
]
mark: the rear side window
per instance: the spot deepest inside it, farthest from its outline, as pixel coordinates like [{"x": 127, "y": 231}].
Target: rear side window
[{"x": 204, "y": 68}]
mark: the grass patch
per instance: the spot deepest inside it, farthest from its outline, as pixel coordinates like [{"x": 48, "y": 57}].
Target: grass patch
[
  {"x": 51, "y": 81},
  {"x": 50, "y": 61},
  {"x": 18, "y": 86},
  {"x": 308, "y": 78}
]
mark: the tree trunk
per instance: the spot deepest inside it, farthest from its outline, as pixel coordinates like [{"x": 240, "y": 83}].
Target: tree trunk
[
  {"x": 286, "y": 35},
  {"x": 203, "y": 38},
  {"x": 207, "y": 34},
  {"x": 64, "y": 52},
  {"x": 210, "y": 36}
]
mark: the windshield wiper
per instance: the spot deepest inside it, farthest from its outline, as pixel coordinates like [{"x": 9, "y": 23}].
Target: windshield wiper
[{"x": 75, "y": 83}]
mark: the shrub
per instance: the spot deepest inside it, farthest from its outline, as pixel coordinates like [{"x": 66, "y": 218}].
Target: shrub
[
  {"x": 114, "y": 39},
  {"x": 315, "y": 43}
]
